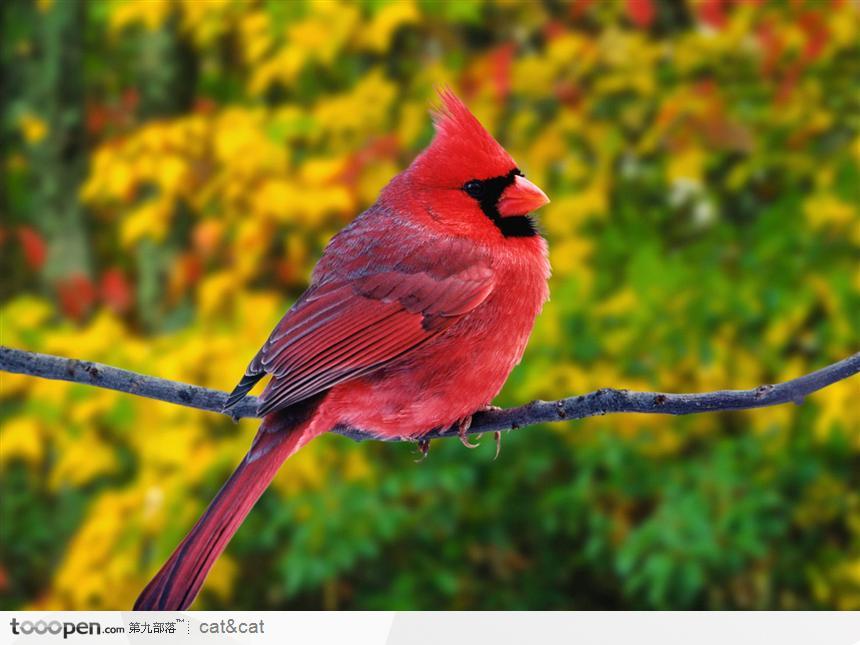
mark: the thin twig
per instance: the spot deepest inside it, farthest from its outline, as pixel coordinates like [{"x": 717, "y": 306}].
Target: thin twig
[{"x": 603, "y": 401}]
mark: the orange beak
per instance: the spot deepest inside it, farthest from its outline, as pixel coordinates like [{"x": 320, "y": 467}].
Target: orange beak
[{"x": 521, "y": 198}]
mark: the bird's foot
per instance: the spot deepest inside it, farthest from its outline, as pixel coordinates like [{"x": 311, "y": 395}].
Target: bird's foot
[
  {"x": 463, "y": 426},
  {"x": 497, "y": 435},
  {"x": 490, "y": 408},
  {"x": 424, "y": 449}
]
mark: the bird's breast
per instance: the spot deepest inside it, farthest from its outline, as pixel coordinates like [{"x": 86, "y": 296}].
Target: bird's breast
[{"x": 462, "y": 369}]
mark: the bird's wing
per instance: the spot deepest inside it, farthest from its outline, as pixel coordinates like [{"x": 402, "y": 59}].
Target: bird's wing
[{"x": 344, "y": 329}]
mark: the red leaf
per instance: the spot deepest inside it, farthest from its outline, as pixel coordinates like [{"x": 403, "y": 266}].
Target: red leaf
[
  {"x": 77, "y": 295},
  {"x": 771, "y": 44},
  {"x": 579, "y": 7},
  {"x": 567, "y": 93},
  {"x": 35, "y": 249},
  {"x": 641, "y": 12},
  {"x": 191, "y": 268},
  {"x": 97, "y": 118},
  {"x": 286, "y": 271},
  {"x": 712, "y": 13},
  {"x": 130, "y": 99},
  {"x": 205, "y": 106},
  {"x": 789, "y": 82},
  {"x": 501, "y": 60},
  {"x": 115, "y": 291},
  {"x": 385, "y": 147},
  {"x": 552, "y": 29},
  {"x": 816, "y": 34}
]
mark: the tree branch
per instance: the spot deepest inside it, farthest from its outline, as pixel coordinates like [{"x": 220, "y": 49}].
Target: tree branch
[{"x": 603, "y": 401}]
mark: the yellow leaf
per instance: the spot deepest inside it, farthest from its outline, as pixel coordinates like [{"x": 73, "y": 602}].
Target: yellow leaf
[
  {"x": 688, "y": 164},
  {"x": 148, "y": 220},
  {"x": 32, "y": 127},
  {"x": 21, "y": 438},
  {"x": 220, "y": 580},
  {"x": 151, "y": 13},
  {"x": 826, "y": 210},
  {"x": 377, "y": 35},
  {"x": 214, "y": 292},
  {"x": 82, "y": 459}
]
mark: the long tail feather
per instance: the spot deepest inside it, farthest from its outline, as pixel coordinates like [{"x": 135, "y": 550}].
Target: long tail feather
[{"x": 177, "y": 583}]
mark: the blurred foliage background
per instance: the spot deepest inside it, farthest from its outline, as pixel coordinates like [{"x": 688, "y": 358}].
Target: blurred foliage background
[{"x": 173, "y": 168}]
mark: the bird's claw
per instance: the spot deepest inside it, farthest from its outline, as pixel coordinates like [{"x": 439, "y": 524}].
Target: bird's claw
[
  {"x": 497, "y": 435},
  {"x": 468, "y": 443},
  {"x": 424, "y": 449},
  {"x": 463, "y": 426}
]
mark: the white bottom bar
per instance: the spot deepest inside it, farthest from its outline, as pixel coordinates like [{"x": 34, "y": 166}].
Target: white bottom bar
[{"x": 434, "y": 628}]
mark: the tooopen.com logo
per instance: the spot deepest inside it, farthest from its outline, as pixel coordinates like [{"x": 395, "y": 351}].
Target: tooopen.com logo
[{"x": 56, "y": 627}]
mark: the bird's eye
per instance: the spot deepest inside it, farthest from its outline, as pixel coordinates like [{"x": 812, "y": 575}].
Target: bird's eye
[{"x": 474, "y": 188}]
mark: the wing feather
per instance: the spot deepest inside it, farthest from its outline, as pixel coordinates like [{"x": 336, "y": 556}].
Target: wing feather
[
  {"x": 297, "y": 390},
  {"x": 345, "y": 328}
]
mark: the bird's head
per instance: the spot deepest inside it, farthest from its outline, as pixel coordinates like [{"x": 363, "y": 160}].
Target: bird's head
[{"x": 467, "y": 178}]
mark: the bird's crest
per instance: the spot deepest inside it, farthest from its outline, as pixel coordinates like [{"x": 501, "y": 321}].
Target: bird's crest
[{"x": 462, "y": 142}]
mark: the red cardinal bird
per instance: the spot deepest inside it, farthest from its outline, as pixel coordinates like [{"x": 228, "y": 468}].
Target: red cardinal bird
[{"x": 415, "y": 315}]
